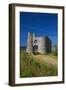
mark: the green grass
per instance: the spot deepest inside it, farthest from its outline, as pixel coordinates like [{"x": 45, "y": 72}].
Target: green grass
[{"x": 37, "y": 65}]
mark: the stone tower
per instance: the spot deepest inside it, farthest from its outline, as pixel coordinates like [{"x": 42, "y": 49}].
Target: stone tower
[
  {"x": 30, "y": 43},
  {"x": 41, "y": 45},
  {"x": 34, "y": 37}
]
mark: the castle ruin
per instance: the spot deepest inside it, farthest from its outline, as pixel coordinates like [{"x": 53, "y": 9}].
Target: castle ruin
[{"x": 36, "y": 44}]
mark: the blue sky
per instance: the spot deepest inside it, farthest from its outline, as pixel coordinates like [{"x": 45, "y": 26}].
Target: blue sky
[{"x": 42, "y": 24}]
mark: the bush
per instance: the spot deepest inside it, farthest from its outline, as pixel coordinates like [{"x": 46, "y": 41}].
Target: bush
[{"x": 55, "y": 53}]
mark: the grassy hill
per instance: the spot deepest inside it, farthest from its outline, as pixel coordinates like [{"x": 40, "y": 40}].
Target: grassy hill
[{"x": 37, "y": 65}]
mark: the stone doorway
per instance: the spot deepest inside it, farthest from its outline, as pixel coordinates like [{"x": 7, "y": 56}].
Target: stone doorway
[{"x": 35, "y": 49}]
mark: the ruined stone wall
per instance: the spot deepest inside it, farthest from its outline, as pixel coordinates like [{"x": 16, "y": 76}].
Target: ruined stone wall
[
  {"x": 30, "y": 43},
  {"x": 48, "y": 45}
]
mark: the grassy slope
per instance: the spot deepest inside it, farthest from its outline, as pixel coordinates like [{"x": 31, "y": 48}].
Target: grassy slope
[{"x": 37, "y": 65}]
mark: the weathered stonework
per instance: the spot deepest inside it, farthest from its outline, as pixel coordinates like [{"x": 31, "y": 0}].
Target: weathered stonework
[{"x": 38, "y": 44}]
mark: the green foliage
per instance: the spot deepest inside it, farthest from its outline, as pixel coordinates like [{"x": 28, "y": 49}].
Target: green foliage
[
  {"x": 55, "y": 52},
  {"x": 30, "y": 67}
]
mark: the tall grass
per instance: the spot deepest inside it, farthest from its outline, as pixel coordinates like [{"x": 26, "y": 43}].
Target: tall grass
[{"x": 30, "y": 67}]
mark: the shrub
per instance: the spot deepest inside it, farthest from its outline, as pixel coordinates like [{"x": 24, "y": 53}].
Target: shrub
[{"x": 55, "y": 52}]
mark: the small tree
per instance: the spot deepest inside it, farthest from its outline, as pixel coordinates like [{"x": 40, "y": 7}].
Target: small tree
[{"x": 55, "y": 51}]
